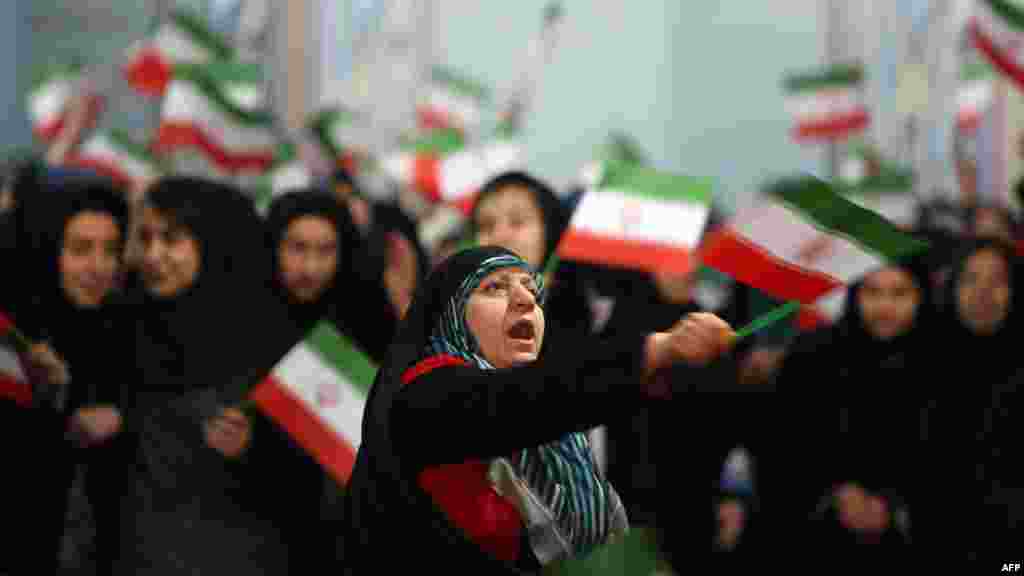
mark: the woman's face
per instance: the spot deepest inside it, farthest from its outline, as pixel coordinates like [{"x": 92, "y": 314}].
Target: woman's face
[
  {"x": 888, "y": 301},
  {"x": 983, "y": 293},
  {"x": 504, "y": 317},
  {"x": 90, "y": 258},
  {"x": 992, "y": 223},
  {"x": 308, "y": 257},
  {"x": 510, "y": 218},
  {"x": 170, "y": 255}
]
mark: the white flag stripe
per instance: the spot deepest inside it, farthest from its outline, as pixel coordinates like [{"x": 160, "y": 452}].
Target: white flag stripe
[
  {"x": 48, "y": 101},
  {"x": 302, "y": 372},
  {"x": 824, "y": 104},
  {"x": 786, "y": 235},
  {"x": 179, "y": 46},
  {"x": 464, "y": 172},
  {"x": 462, "y": 108},
  {"x": 618, "y": 214},
  {"x": 100, "y": 147}
]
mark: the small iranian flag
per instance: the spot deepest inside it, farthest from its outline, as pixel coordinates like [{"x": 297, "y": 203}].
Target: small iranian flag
[
  {"x": 443, "y": 171},
  {"x": 828, "y": 105},
  {"x": 637, "y": 217},
  {"x": 289, "y": 172},
  {"x": 51, "y": 97},
  {"x": 997, "y": 28},
  {"x": 317, "y": 393},
  {"x": 332, "y": 128},
  {"x": 974, "y": 95},
  {"x": 185, "y": 38},
  {"x": 219, "y": 108},
  {"x": 14, "y": 382},
  {"x": 116, "y": 156},
  {"x": 452, "y": 100},
  {"x": 807, "y": 243}
]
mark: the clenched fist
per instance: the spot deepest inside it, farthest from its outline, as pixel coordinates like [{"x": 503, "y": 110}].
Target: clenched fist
[
  {"x": 230, "y": 433},
  {"x": 697, "y": 339}
]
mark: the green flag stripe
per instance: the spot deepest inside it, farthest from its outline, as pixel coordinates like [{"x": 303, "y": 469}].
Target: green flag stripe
[
  {"x": 817, "y": 202},
  {"x": 196, "y": 27},
  {"x": 836, "y": 76},
  {"x": 460, "y": 83},
  {"x": 342, "y": 353},
  {"x": 642, "y": 181},
  {"x": 441, "y": 142},
  {"x": 203, "y": 78},
  {"x": 322, "y": 126},
  {"x": 131, "y": 147},
  {"x": 1008, "y": 10}
]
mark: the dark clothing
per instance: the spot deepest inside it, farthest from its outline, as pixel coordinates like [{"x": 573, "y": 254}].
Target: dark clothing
[
  {"x": 90, "y": 343},
  {"x": 187, "y": 508}
]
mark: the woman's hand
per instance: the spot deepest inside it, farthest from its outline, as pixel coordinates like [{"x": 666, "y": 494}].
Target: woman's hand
[
  {"x": 230, "y": 433},
  {"x": 697, "y": 339},
  {"x": 93, "y": 425},
  {"x": 49, "y": 364},
  {"x": 860, "y": 511}
]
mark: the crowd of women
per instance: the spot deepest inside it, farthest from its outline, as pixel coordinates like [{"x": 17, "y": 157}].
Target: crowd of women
[{"x": 889, "y": 431}]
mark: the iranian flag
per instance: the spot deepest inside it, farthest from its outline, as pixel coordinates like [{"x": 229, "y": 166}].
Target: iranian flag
[
  {"x": 115, "y": 155},
  {"x": 289, "y": 172},
  {"x": 445, "y": 172},
  {"x": 185, "y": 38},
  {"x": 51, "y": 97},
  {"x": 451, "y": 100},
  {"x": 220, "y": 109},
  {"x": 317, "y": 393},
  {"x": 14, "y": 382},
  {"x": 637, "y": 217},
  {"x": 806, "y": 242},
  {"x": 332, "y": 128},
  {"x": 828, "y": 105},
  {"x": 974, "y": 95}
]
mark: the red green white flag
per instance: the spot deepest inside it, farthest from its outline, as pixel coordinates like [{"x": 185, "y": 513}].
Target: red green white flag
[
  {"x": 115, "y": 155},
  {"x": 827, "y": 105},
  {"x": 51, "y": 97},
  {"x": 452, "y": 100},
  {"x": 446, "y": 171},
  {"x": 974, "y": 95},
  {"x": 805, "y": 242},
  {"x": 317, "y": 393},
  {"x": 14, "y": 381},
  {"x": 185, "y": 38},
  {"x": 221, "y": 110},
  {"x": 638, "y": 217}
]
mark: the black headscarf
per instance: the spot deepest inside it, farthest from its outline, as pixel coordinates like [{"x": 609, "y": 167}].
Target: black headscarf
[
  {"x": 345, "y": 289},
  {"x": 989, "y": 354},
  {"x": 858, "y": 348},
  {"x": 198, "y": 337},
  {"x": 555, "y": 214}
]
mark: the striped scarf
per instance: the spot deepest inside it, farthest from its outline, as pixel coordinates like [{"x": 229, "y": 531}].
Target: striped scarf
[{"x": 562, "y": 473}]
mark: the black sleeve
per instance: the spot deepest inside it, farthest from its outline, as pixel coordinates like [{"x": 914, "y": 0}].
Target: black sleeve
[{"x": 457, "y": 413}]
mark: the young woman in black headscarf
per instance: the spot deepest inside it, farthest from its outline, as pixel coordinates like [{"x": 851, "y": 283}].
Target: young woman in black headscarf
[
  {"x": 317, "y": 262},
  {"x": 865, "y": 381},
  {"x": 977, "y": 501},
  {"x": 197, "y": 490},
  {"x": 473, "y": 454},
  {"x": 66, "y": 247}
]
